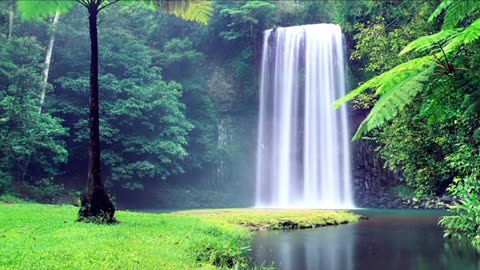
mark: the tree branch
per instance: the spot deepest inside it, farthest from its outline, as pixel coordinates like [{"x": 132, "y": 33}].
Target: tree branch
[
  {"x": 106, "y": 5},
  {"x": 83, "y": 3}
]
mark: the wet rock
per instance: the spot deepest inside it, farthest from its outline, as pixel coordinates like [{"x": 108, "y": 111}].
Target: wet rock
[{"x": 446, "y": 199}]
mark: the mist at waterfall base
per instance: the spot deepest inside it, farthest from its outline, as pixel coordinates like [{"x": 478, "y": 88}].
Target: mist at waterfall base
[{"x": 303, "y": 145}]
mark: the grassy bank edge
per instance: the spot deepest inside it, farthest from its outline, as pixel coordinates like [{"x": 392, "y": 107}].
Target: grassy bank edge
[{"x": 274, "y": 219}]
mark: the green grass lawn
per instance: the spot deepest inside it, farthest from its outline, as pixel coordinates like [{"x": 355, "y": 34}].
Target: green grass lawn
[{"x": 35, "y": 236}]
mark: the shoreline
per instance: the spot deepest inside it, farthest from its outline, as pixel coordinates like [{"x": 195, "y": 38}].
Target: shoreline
[{"x": 39, "y": 236}]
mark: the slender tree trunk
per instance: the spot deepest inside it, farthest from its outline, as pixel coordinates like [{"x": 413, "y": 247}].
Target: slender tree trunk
[
  {"x": 11, "y": 14},
  {"x": 95, "y": 200},
  {"x": 43, "y": 90},
  {"x": 48, "y": 59},
  {"x": 46, "y": 69}
]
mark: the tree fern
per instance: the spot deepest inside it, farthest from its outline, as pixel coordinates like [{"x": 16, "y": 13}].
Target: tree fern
[
  {"x": 200, "y": 11},
  {"x": 467, "y": 36},
  {"x": 390, "y": 79},
  {"x": 398, "y": 86},
  {"x": 457, "y": 11},
  {"x": 393, "y": 101},
  {"x": 192, "y": 10},
  {"x": 444, "y": 5},
  {"x": 427, "y": 43},
  {"x": 44, "y": 9}
]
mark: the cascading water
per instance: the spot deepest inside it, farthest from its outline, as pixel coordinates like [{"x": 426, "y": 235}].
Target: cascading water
[{"x": 303, "y": 151}]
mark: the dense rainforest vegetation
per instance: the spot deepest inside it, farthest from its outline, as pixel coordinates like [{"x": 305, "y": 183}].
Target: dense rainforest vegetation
[{"x": 178, "y": 100}]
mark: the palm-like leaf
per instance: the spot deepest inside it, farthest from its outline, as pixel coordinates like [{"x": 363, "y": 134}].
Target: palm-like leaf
[
  {"x": 467, "y": 36},
  {"x": 444, "y": 5},
  {"x": 398, "y": 86},
  {"x": 37, "y": 9},
  {"x": 393, "y": 101},
  {"x": 390, "y": 79},
  {"x": 457, "y": 11},
  {"x": 193, "y": 10},
  {"x": 200, "y": 11},
  {"x": 427, "y": 43}
]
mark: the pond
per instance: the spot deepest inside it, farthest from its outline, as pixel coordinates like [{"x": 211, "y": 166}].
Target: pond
[{"x": 389, "y": 239}]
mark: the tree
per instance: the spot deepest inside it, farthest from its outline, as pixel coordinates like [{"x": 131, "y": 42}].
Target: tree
[
  {"x": 143, "y": 124},
  {"x": 398, "y": 86},
  {"x": 26, "y": 136},
  {"x": 95, "y": 203}
]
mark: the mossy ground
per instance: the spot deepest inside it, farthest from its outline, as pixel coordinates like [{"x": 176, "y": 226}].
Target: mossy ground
[
  {"x": 35, "y": 236},
  {"x": 274, "y": 219}
]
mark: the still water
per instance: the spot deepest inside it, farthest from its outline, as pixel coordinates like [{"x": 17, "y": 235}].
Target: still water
[{"x": 389, "y": 239}]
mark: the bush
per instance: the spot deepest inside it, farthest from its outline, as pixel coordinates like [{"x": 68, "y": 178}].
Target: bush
[
  {"x": 43, "y": 190},
  {"x": 5, "y": 182},
  {"x": 465, "y": 221},
  {"x": 9, "y": 198},
  {"x": 403, "y": 191}
]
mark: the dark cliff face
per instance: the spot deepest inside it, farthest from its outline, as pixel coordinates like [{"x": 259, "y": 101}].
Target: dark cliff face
[{"x": 370, "y": 176}]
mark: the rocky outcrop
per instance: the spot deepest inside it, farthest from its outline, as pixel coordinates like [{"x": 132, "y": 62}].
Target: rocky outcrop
[{"x": 389, "y": 200}]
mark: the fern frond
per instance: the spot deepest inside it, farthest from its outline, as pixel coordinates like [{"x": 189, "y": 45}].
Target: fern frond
[
  {"x": 444, "y": 5},
  {"x": 427, "y": 43},
  {"x": 393, "y": 101},
  {"x": 387, "y": 80},
  {"x": 469, "y": 35},
  {"x": 38, "y": 9},
  {"x": 457, "y": 11},
  {"x": 199, "y": 10}
]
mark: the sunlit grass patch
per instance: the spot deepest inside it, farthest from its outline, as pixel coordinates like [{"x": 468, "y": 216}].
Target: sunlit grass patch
[
  {"x": 35, "y": 236},
  {"x": 271, "y": 219}
]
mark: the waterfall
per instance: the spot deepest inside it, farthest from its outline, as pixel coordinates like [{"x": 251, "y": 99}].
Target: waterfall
[{"x": 303, "y": 147}]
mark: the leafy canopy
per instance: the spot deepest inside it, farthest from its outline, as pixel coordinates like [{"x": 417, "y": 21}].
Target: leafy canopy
[
  {"x": 200, "y": 11},
  {"x": 397, "y": 87}
]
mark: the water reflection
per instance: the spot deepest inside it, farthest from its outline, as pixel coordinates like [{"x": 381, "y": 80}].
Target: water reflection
[
  {"x": 388, "y": 240},
  {"x": 329, "y": 248}
]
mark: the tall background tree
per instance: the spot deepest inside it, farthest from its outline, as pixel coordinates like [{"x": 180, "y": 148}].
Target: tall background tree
[{"x": 95, "y": 202}]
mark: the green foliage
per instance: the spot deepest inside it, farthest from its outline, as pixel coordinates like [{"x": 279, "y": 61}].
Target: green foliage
[
  {"x": 394, "y": 98},
  {"x": 241, "y": 25},
  {"x": 403, "y": 192},
  {"x": 467, "y": 36},
  {"x": 387, "y": 81},
  {"x": 411, "y": 74},
  {"x": 38, "y": 9},
  {"x": 455, "y": 12},
  {"x": 144, "y": 128},
  {"x": 465, "y": 221},
  {"x": 433, "y": 141},
  {"x": 200, "y": 11},
  {"x": 429, "y": 43},
  {"x": 138, "y": 102},
  {"x": 10, "y": 199},
  {"x": 245, "y": 17},
  {"x": 409, "y": 145},
  {"x": 172, "y": 197},
  {"x": 43, "y": 190},
  {"x": 30, "y": 142}
]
